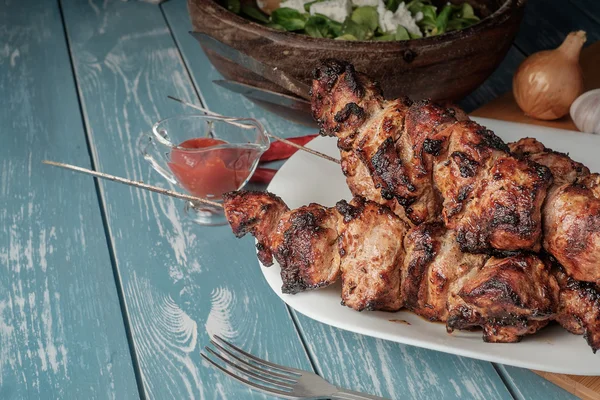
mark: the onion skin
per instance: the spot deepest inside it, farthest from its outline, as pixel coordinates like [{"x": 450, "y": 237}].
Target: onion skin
[{"x": 546, "y": 83}]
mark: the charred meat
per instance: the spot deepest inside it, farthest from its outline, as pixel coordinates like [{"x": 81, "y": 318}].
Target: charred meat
[
  {"x": 508, "y": 298},
  {"x": 371, "y": 250}
]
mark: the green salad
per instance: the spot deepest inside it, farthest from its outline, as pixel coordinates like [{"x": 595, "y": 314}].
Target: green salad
[{"x": 357, "y": 19}]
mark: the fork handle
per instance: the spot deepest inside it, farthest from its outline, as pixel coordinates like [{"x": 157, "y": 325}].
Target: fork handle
[{"x": 343, "y": 394}]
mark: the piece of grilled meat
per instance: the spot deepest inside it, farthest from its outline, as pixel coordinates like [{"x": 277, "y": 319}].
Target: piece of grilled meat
[
  {"x": 571, "y": 211},
  {"x": 563, "y": 168},
  {"x": 508, "y": 297},
  {"x": 572, "y": 227},
  {"x": 305, "y": 245},
  {"x": 257, "y": 213},
  {"x": 491, "y": 198},
  {"x": 303, "y": 241},
  {"x": 343, "y": 100},
  {"x": 342, "y": 107},
  {"x": 412, "y": 185},
  {"x": 415, "y": 151},
  {"x": 360, "y": 183},
  {"x": 372, "y": 253},
  {"x": 579, "y": 307},
  {"x": 432, "y": 264},
  {"x": 360, "y": 241},
  {"x": 349, "y": 106},
  {"x": 390, "y": 146}
]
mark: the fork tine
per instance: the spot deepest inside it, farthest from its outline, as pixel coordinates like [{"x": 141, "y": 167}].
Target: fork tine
[
  {"x": 289, "y": 378},
  {"x": 253, "y": 385},
  {"x": 282, "y": 385},
  {"x": 260, "y": 361}
]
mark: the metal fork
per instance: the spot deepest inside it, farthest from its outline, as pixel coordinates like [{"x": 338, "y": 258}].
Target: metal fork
[{"x": 274, "y": 379}]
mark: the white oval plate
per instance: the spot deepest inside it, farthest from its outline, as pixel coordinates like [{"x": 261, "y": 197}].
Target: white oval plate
[{"x": 305, "y": 178}]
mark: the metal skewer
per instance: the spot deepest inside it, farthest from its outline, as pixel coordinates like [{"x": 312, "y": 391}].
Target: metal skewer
[
  {"x": 129, "y": 182},
  {"x": 288, "y": 142}
]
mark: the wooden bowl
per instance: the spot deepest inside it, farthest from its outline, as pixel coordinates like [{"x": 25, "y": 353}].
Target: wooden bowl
[{"x": 445, "y": 67}]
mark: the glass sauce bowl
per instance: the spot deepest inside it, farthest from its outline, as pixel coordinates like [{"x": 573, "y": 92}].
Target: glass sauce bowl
[{"x": 206, "y": 156}]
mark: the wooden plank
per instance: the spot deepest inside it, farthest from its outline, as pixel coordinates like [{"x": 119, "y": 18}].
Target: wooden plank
[
  {"x": 590, "y": 7},
  {"x": 61, "y": 330},
  {"x": 525, "y": 384},
  {"x": 347, "y": 359},
  {"x": 396, "y": 370},
  {"x": 547, "y": 22},
  {"x": 584, "y": 387},
  {"x": 181, "y": 282}
]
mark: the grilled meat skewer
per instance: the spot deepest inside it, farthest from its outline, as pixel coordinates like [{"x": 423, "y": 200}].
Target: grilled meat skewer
[
  {"x": 315, "y": 245},
  {"x": 563, "y": 168},
  {"x": 571, "y": 211},
  {"x": 361, "y": 242},
  {"x": 430, "y": 162},
  {"x": 497, "y": 198},
  {"x": 479, "y": 291},
  {"x": 507, "y": 297},
  {"x": 433, "y": 263}
]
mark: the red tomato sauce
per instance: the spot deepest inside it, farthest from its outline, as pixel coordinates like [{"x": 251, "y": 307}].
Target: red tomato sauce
[{"x": 213, "y": 172}]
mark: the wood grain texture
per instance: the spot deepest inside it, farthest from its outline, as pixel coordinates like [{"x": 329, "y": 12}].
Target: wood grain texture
[
  {"x": 396, "y": 370},
  {"x": 525, "y": 384},
  {"x": 547, "y": 22},
  {"x": 590, "y": 7},
  {"x": 347, "y": 359},
  {"x": 584, "y": 387},
  {"x": 61, "y": 329},
  {"x": 181, "y": 282}
]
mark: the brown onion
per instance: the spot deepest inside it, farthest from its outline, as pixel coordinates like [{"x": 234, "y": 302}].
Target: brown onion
[{"x": 546, "y": 83}]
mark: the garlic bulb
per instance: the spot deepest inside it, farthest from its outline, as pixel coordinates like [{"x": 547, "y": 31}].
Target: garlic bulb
[
  {"x": 585, "y": 112},
  {"x": 546, "y": 83}
]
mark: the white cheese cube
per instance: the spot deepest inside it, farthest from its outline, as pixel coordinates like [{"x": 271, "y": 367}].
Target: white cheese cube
[
  {"x": 297, "y": 5},
  {"x": 389, "y": 21},
  {"x": 337, "y": 10}
]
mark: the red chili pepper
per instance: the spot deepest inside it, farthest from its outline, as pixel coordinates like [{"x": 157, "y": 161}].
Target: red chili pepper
[
  {"x": 263, "y": 175},
  {"x": 281, "y": 151}
]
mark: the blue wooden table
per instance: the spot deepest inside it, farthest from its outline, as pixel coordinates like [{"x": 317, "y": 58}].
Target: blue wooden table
[{"x": 106, "y": 291}]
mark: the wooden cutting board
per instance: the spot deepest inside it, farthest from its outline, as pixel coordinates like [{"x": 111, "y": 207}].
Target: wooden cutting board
[{"x": 505, "y": 108}]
